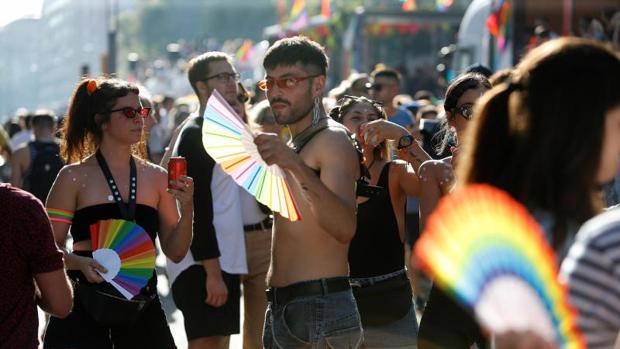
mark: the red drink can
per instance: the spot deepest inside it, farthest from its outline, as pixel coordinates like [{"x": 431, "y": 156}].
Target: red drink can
[{"x": 177, "y": 166}]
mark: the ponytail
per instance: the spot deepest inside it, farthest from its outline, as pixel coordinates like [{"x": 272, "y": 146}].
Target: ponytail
[
  {"x": 540, "y": 135},
  {"x": 88, "y": 110}
]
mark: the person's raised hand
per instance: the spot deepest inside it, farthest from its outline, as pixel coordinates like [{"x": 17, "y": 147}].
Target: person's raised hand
[{"x": 273, "y": 151}]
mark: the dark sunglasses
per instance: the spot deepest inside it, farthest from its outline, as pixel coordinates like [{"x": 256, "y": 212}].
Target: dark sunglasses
[
  {"x": 285, "y": 83},
  {"x": 360, "y": 87},
  {"x": 467, "y": 110},
  {"x": 224, "y": 77},
  {"x": 131, "y": 113},
  {"x": 374, "y": 87}
]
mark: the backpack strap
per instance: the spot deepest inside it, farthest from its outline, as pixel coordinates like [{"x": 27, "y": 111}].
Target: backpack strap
[
  {"x": 34, "y": 151},
  {"x": 302, "y": 139}
]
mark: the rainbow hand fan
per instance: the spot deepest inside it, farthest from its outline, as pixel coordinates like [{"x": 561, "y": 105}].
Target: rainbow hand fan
[
  {"x": 231, "y": 144},
  {"x": 126, "y": 251},
  {"x": 483, "y": 248}
]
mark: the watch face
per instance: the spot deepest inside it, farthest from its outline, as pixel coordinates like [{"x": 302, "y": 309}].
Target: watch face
[{"x": 405, "y": 141}]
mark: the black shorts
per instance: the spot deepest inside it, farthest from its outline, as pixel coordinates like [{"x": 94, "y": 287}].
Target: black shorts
[
  {"x": 201, "y": 319},
  {"x": 80, "y": 331}
]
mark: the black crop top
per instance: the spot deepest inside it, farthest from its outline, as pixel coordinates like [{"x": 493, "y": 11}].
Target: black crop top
[
  {"x": 146, "y": 216},
  {"x": 376, "y": 248}
]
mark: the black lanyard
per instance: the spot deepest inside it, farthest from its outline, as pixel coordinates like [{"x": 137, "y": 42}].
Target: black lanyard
[{"x": 133, "y": 186}]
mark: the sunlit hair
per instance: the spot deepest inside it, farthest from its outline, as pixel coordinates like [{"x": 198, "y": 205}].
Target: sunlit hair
[
  {"x": 500, "y": 76},
  {"x": 345, "y": 104},
  {"x": 297, "y": 50},
  {"x": 458, "y": 87},
  {"x": 81, "y": 132},
  {"x": 384, "y": 72},
  {"x": 539, "y": 136},
  {"x": 199, "y": 66}
]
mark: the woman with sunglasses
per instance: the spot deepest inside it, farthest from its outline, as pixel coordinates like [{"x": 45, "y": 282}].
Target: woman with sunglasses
[
  {"x": 437, "y": 176},
  {"x": 377, "y": 252},
  {"x": 443, "y": 322},
  {"x": 108, "y": 178}
]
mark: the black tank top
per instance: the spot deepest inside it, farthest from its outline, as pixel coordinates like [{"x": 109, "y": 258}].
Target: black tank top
[
  {"x": 146, "y": 216},
  {"x": 376, "y": 248}
]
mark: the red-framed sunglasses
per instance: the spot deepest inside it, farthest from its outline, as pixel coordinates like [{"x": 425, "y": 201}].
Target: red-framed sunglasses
[
  {"x": 285, "y": 83},
  {"x": 131, "y": 113}
]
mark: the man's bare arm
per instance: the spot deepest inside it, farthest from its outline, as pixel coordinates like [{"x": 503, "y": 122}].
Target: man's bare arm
[
  {"x": 18, "y": 167},
  {"x": 54, "y": 295},
  {"x": 332, "y": 196}
]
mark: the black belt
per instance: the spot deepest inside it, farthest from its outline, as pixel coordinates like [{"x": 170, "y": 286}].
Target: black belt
[
  {"x": 321, "y": 287},
  {"x": 265, "y": 224}
]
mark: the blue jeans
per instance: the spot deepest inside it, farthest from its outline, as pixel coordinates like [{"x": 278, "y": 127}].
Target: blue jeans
[{"x": 323, "y": 321}]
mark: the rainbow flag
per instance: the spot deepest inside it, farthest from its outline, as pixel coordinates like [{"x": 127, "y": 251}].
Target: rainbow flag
[
  {"x": 498, "y": 23},
  {"x": 326, "y": 10},
  {"x": 299, "y": 15},
  {"x": 242, "y": 54},
  {"x": 409, "y": 5}
]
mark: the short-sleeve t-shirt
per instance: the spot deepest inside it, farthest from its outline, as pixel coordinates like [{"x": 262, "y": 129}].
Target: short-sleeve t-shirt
[{"x": 27, "y": 248}]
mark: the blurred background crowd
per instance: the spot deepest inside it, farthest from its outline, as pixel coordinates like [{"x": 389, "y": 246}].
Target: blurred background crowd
[{"x": 427, "y": 42}]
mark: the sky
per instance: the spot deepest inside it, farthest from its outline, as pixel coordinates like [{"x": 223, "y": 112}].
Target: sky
[{"x": 11, "y": 10}]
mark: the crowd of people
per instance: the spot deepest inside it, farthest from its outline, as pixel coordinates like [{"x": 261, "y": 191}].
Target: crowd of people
[{"x": 366, "y": 165}]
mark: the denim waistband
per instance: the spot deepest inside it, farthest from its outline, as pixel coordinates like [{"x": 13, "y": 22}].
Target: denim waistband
[
  {"x": 320, "y": 287},
  {"x": 369, "y": 281}
]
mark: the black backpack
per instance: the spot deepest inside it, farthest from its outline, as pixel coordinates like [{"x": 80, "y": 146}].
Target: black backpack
[{"x": 45, "y": 163}]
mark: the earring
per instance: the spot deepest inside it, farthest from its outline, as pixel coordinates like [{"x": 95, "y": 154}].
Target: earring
[{"x": 316, "y": 111}]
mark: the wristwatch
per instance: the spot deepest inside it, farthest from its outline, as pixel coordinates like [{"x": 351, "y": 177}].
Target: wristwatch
[{"x": 404, "y": 142}]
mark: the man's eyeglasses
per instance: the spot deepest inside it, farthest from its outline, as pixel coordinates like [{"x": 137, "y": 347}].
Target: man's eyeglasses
[
  {"x": 286, "y": 83},
  {"x": 467, "y": 110},
  {"x": 131, "y": 113},
  {"x": 225, "y": 77}
]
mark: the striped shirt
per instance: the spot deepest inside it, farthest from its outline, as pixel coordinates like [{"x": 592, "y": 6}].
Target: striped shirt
[{"x": 592, "y": 272}]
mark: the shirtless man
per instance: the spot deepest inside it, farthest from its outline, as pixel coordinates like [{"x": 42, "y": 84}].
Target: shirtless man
[{"x": 308, "y": 275}]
